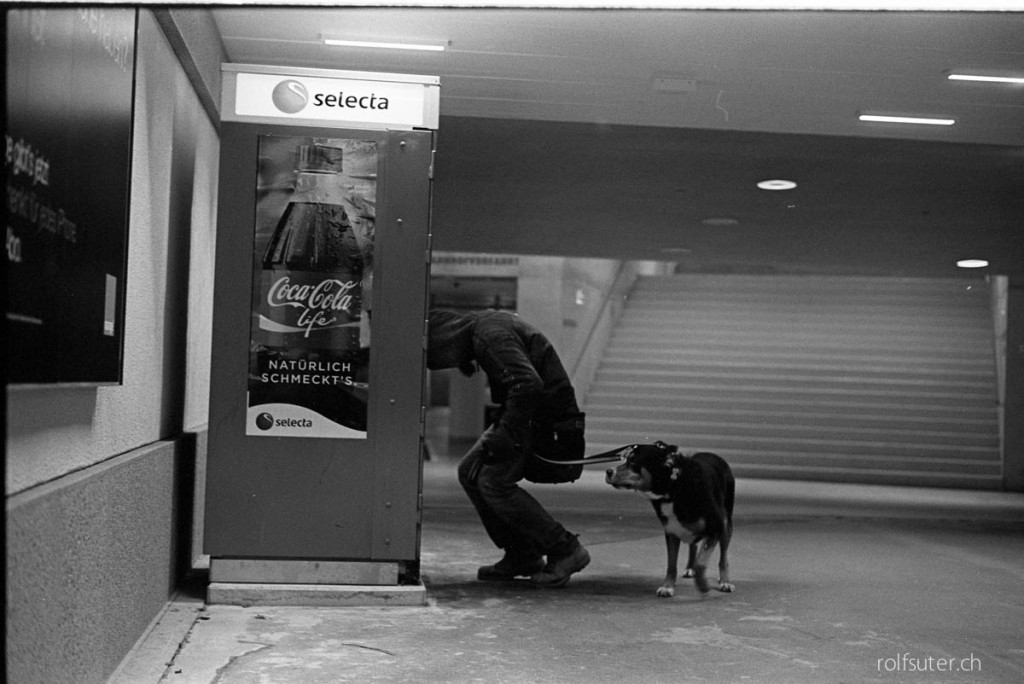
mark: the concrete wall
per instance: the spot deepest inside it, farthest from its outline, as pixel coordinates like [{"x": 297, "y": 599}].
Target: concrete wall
[
  {"x": 563, "y": 298},
  {"x": 92, "y": 559},
  {"x": 99, "y": 480},
  {"x": 1013, "y": 401},
  {"x": 580, "y": 319}
]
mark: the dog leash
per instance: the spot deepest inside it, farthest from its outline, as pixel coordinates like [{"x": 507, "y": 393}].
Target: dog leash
[{"x": 619, "y": 454}]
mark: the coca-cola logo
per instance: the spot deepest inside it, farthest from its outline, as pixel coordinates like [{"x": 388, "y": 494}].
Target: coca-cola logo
[{"x": 318, "y": 306}]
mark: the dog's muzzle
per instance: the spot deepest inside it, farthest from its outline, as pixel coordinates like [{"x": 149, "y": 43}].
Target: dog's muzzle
[{"x": 612, "y": 476}]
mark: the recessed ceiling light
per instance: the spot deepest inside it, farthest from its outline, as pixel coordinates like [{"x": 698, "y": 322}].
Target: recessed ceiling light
[
  {"x": 776, "y": 184},
  {"x": 1019, "y": 80},
  {"x": 675, "y": 250},
  {"x": 385, "y": 45},
  {"x": 972, "y": 263},
  {"x": 723, "y": 221},
  {"x": 922, "y": 120}
]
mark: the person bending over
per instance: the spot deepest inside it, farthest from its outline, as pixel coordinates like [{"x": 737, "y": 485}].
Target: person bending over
[{"x": 538, "y": 414}]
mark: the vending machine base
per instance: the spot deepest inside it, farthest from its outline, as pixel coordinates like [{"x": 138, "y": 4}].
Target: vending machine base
[{"x": 274, "y": 582}]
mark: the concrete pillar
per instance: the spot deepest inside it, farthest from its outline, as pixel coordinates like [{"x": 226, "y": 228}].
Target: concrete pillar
[
  {"x": 1013, "y": 423},
  {"x": 540, "y": 294}
]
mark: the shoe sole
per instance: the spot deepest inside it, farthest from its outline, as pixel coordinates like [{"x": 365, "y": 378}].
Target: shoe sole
[
  {"x": 502, "y": 578},
  {"x": 509, "y": 578}
]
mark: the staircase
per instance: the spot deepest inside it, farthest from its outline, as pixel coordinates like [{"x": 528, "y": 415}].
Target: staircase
[{"x": 842, "y": 379}]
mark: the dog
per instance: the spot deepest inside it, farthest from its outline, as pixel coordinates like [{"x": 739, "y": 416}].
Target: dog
[{"x": 692, "y": 497}]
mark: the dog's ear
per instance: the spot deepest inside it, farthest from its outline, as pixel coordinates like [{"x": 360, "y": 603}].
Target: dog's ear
[{"x": 665, "y": 447}]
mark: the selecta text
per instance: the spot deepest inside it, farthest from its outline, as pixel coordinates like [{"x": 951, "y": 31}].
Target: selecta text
[{"x": 350, "y": 101}]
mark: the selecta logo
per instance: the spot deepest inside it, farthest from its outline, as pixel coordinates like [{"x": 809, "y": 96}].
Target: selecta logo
[
  {"x": 265, "y": 421},
  {"x": 290, "y": 96}
]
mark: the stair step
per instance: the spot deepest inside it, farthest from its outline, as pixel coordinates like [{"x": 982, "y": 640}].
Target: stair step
[
  {"x": 625, "y": 415},
  {"x": 669, "y": 352},
  {"x": 796, "y": 379},
  {"x": 720, "y": 327},
  {"x": 881, "y": 476},
  {"x": 790, "y": 340},
  {"x": 892, "y": 435},
  {"x": 711, "y": 383},
  {"x": 790, "y": 368},
  {"x": 840, "y": 408},
  {"x": 717, "y": 441}
]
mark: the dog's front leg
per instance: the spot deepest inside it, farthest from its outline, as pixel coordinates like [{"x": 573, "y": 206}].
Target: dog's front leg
[
  {"x": 723, "y": 564},
  {"x": 691, "y": 559},
  {"x": 700, "y": 565},
  {"x": 668, "y": 587}
]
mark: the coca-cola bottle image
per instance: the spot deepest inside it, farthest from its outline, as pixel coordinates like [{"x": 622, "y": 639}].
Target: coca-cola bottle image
[{"x": 306, "y": 337}]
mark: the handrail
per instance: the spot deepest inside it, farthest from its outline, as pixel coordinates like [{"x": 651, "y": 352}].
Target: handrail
[
  {"x": 605, "y": 320},
  {"x": 599, "y": 318}
]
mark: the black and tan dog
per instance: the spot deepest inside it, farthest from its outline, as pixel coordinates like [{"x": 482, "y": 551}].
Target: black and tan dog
[{"x": 693, "y": 498}]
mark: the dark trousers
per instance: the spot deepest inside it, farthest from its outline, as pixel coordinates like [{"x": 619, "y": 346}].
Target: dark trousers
[{"x": 513, "y": 519}]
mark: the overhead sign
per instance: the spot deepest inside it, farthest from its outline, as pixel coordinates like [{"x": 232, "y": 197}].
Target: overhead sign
[
  {"x": 474, "y": 264},
  {"x": 324, "y": 97}
]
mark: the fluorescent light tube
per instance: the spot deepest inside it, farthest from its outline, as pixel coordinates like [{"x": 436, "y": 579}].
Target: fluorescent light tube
[
  {"x": 340, "y": 42},
  {"x": 987, "y": 79},
  {"x": 907, "y": 119}
]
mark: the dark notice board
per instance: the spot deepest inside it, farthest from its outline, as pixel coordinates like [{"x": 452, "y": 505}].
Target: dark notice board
[{"x": 70, "y": 91}]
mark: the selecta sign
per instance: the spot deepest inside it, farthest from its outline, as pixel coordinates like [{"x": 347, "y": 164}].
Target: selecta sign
[{"x": 308, "y": 96}]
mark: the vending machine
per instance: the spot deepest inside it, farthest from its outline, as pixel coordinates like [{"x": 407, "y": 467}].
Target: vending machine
[{"x": 314, "y": 472}]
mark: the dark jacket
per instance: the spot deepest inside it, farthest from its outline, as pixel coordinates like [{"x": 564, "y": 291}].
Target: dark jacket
[{"x": 526, "y": 376}]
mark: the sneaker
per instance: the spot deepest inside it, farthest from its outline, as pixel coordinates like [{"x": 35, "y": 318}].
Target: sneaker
[
  {"x": 508, "y": 568},
  {"x": 558, "y": 569}
]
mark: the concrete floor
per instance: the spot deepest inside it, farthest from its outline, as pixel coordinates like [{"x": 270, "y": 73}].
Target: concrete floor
[{"x": 834, "y": 583}]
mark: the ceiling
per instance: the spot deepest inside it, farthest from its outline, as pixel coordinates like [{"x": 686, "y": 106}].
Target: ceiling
[{"x": 556, "y": 138}]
